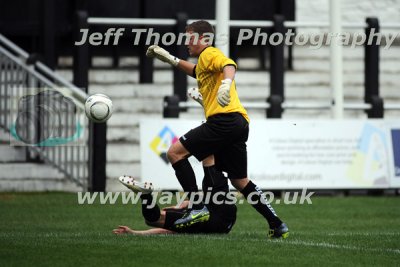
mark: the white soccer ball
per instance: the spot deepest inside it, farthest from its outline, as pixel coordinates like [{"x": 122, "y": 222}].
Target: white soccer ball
[{"x": 98, "y": 108}]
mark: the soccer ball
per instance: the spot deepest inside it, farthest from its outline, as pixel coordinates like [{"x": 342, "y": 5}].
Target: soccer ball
[{"x": 98, "y": 108}]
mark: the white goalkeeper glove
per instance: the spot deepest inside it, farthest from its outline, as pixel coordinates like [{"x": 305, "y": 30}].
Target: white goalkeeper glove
[
  {"x": 195, "y": 94},
  {"x": 155, "y": 51},
  {"x": 224, "y": 96}
]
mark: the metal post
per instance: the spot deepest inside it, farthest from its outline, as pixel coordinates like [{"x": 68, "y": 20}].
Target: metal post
[
  {"x": 222, "y": 11},
  {"x": 97, "y": 131},
  {"x": 277, "y": 72},
  {"x": 287, "y": 8},
  {"x": 275, "y": 110},
  {"x": 146, "y": 65},
  {"x": 49, "y": 25},
  {"x": 336, "y": 60},
  {"x": 171, "y": 107},
  {"x": 371, "y": 71},
  {"x": 180, "y": 78},
  {"x": 32, "y": 84},
  {"x": 81, "y": 53},
  {"x": 97, "y": 156}
]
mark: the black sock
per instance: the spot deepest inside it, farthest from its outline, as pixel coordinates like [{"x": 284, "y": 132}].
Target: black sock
[
  {"x": 186, "y": 177},
  {"x": 150, "y": 214},
  {"x": 215, "y": 179},
  {"x": 264, "y": 209}
]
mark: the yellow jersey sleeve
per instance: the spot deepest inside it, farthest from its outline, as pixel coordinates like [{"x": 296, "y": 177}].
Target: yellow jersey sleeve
[
  {"x": 214, "y": 61},
  {"x": 209, "y": 74}
]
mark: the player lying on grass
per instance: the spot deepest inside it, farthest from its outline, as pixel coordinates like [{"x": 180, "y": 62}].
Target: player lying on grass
[{"x": 220, "y": 220}]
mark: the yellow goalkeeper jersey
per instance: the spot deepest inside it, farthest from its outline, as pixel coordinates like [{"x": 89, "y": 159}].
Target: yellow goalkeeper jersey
[{"x": 209, "y": 75}]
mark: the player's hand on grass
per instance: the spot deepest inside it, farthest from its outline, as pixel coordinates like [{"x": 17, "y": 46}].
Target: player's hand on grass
[
  {"x": 223, "y": 96},
  {"x": 155, "y": 51},
  {"x": 195, "y": 94},
  {"x": 123, "y": 230}
]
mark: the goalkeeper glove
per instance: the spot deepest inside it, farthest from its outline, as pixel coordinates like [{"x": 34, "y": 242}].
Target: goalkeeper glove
[
  {"x": 195, "y": 94},
  {"x": 155, "y": 51},
  {"x": 224, "y": 96}
]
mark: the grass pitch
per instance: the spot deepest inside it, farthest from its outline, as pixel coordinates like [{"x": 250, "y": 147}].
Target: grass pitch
[{"x": 51, "y": 229}]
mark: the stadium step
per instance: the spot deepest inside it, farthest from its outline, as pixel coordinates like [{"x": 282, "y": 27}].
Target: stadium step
[
  {"x": 18, "y": 175},
  {"x": 123, "y": 152},
  {"x": 129, "y": 90},
  {"x": 33, "y": 177},
  {"x": 116, "y": 169},
  {"x": 355, "y": 65},
  {"x": 12, "y": 154},
  {"x": 306, "y": 53},
  {"x": 127, "y": 119},
  {"x": 23, "y": 171}
]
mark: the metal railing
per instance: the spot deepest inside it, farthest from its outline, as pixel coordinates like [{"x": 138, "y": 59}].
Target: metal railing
[
  {"x": 232, "y": 23},
  {"x": 45, "y": 113},
  {"x": 296, "y": 105}
]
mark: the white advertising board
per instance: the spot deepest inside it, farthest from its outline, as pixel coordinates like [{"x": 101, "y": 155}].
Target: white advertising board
[{"x": 298, "y": 154}]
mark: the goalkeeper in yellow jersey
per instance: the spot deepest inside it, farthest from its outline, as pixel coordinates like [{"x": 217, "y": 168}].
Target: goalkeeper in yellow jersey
[{"x": 220, "y": 142}]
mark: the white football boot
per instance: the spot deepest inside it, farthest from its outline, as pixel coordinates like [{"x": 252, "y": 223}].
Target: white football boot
[{"x": 135, "y": 186}]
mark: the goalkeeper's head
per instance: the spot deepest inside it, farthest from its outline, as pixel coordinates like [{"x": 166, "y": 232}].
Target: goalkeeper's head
[{"x": 201, "y": 35}]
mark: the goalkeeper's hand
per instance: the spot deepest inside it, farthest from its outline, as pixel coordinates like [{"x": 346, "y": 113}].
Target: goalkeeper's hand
[
  {"x": 155, "y": 51},
  {"x": 195, "y": 94},
  {"x": 224, "y": 96}
]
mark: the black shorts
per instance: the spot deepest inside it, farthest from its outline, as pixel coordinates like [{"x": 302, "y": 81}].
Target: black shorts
[
  {"x": 225, "y": 137},
  {"x": 219, "y": 223}
]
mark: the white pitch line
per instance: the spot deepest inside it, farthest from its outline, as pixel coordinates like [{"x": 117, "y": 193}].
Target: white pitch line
[
  {"x": 309, "y": 243},
  {"x": 329, "y": 245},
  {"x": 364, "y": 234}
]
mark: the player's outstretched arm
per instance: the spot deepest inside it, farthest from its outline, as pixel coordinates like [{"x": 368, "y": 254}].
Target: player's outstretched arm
[
  {"x": 154, "y": 231},
  {"x": 160, "y": 53},
  {"x": 187, "y": 67}
]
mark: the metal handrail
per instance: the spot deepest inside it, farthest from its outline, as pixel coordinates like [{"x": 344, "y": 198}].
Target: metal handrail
[
  {"x": 248, "y": 105},
  {"x": 80, "y": 98},
  {"x": 232, "y": 23},
  {"x": 298, "y": 105},
  {"x": 391, "y": 106},
  {"x": 357, "y": 106},
  {"x": 130, "y": 21},
  {"x": 75, "y": 91},
  {"x": 306, "y": 105},
  {"x": 26, "y": 68},
  {"x": 13, "y": 47}
]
